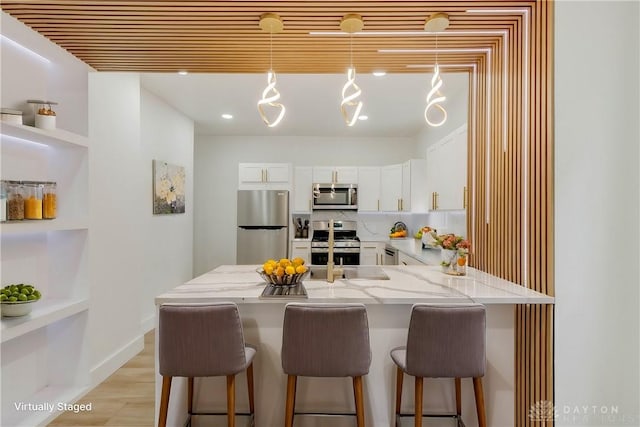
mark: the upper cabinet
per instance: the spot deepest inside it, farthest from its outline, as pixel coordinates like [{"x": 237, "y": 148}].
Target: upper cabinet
[
  {"x": 390, "y": 188},
  {"x": 403, "y": 187},
  {"x": 447, "y": 184},
  {"x": 335, "y": 175},
  {"x": 302, "y": 188},
  {"x": 369, "y": 189},
  {"x": 252, "y": 176}
]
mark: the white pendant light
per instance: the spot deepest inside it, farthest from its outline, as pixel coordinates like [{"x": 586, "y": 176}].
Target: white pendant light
[
  {"x": 271, "y": 111},
  {"x": 436, "y": 23},
  {"x": 350, "y": 106}
]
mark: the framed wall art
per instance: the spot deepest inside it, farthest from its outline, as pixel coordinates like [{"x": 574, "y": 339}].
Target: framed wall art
[{"x": 168, "y": 188}]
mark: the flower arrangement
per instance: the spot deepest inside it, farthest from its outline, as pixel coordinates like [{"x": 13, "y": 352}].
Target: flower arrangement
[
  {"x": 453, "y": 242},
  {"x": 454, "y": 253}
]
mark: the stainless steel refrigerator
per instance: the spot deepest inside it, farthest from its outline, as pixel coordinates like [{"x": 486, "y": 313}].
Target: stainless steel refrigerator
[{"x": 263, "y": 230}]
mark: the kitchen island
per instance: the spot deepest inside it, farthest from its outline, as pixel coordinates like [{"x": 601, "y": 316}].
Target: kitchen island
[{"x": 388, "y": 305}]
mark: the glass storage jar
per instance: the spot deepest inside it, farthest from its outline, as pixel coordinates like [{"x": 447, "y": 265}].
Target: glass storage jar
[
  {"x": 15, "y": 200},
  {"x": 33, "y": 200},
  {"x": 49, "y": 200},
  {"x": 3, "y": 201}
]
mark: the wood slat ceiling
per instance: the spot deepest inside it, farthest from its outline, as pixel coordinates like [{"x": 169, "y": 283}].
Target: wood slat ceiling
[{"x": 224, "y": 36}]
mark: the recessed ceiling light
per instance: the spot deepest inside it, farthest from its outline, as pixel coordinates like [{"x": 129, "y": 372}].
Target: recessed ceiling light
[
  {"x": 227, "y": 116},
  {"x": 379, "y": 73},
  {"x": 183, "y": 73},
  {"x": 363, "y": 117}
]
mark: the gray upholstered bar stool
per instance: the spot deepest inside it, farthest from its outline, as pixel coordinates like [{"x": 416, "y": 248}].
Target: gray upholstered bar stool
[
  {"x": 444, "y": 341},
  {"x": 203, "y": 340},
  {"x": 325, "y": 340}
]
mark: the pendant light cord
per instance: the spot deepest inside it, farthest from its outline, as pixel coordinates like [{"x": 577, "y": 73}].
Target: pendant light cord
[{"x": 351, "y": 49}]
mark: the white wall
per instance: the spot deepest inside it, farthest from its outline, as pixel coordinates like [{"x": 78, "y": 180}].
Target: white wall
[
  {"x": 457, "y": 106},
  {"x": 216, "y": 178},
  {"x": 134, "y": 254},
  {"x": 54, "y": 75},
  {"x": 116, "y": 173},
  {"x": 597, "y": 212},
  {"x": 167, "y": 135}
]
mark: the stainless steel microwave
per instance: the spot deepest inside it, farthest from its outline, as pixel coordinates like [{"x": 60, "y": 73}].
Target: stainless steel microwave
[{"x": 335, "y": 196}]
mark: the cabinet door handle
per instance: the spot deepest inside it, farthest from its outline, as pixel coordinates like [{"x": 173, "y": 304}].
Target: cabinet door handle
[
  {"x": 378, "y": 204},
  {"x": 398, "y": 204},
  {"x": 465, "y": 197},
  {"x": 434, "y": 200},
  {"x": 262, "y": 175},
  {"x": 266, "y": 175},
  {"x": 402, "y": 204}
]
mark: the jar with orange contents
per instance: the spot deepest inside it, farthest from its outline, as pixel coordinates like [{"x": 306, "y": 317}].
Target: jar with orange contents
[
  {"x": 33, "y": 200},
  {"x": 49, "y": 200}
]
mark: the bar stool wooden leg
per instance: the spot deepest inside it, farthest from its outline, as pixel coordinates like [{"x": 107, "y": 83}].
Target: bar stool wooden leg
[
  {"x": 164, "y": 401},
  {"x": 231, "y": 400},
  {"x": 250, "y": 388},
  {"x": 477, "y": 389},
  {"x": 418, "y": 401},
  {"x": 190, "y": 395},
  {"x": 359, "y": 398},
  {"x": 399, "y": 378},
  {"x": 458, "y": 397},
  {"x": 291, "y": 400}
]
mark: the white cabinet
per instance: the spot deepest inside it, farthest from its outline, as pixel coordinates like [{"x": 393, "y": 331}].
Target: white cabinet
[
  {"x": 253, "y": 176},
  {"x": 301, "y": 249},
  {"x": 390, "y": 188},
  {"x": 403, "y": 187},
  {"x": 404, "y": 259},
  {"x": 414, "y": 186},
  {"x": 448, "y": 188},
  {"x": 372, "y": 253},
  {"x": 45, "y": 354},
  {"x": 369, "y": 189},
  {"x": 302, "y": 188},
  {"x": 335, "y": 175}
]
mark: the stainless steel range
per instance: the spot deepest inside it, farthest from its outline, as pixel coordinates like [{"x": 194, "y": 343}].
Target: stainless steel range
[{"x": 346, "y": 248}]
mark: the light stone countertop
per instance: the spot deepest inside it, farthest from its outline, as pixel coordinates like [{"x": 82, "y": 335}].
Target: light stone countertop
[{"x": 407, "y": 285}]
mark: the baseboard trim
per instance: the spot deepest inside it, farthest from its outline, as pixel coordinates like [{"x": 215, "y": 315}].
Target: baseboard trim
[
  {"x": 108, "y": 366},
  {"x": 148, "y": 324}
]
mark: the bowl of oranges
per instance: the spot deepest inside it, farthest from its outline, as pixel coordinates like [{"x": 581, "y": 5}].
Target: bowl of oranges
[{"x": 286, "y": 272}]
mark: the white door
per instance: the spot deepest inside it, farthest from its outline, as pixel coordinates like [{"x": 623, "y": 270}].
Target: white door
[
  {"x": 390, "y": 188},
  {"x": 369, "y": 189}
]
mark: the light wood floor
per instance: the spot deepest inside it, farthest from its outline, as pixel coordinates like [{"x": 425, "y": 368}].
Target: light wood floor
[{"x": 126, "y": 398}]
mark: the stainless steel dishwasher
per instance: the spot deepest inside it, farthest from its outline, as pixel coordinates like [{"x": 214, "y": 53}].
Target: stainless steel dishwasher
[{"x": 390, "y": 255}]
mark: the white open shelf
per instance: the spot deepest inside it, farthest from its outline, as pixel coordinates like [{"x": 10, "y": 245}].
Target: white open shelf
[
  {"x": 49, "y": 394},
  {"x": 44, "y": 225},
  {"x": 44, "y": 313},
  {"x": 55, "y": 137},
  {"x": 45, "y": 353}
]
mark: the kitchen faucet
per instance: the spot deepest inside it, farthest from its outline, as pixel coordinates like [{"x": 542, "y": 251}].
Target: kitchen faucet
[{"x": 332, "y": 272}]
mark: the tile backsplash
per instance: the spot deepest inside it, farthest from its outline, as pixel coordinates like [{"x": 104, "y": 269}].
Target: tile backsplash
[{"x": 374, "y": 226}]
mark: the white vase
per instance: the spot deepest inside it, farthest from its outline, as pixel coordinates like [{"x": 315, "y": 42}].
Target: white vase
[{"x": 450, "y": 264}]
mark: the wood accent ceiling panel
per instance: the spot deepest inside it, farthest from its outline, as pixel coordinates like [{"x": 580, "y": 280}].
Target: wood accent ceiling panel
[
  {"x": 224, "y": 36},
  {"x": 511, "y": 224}
]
